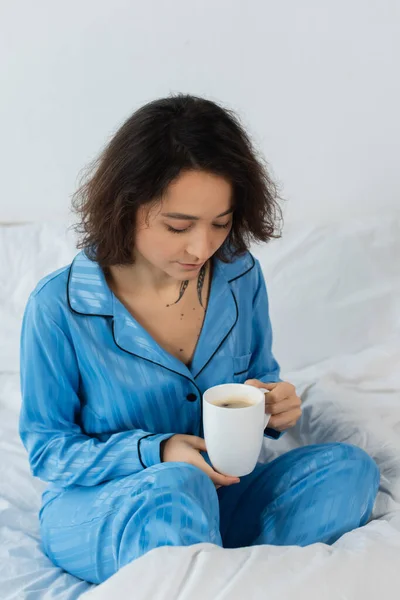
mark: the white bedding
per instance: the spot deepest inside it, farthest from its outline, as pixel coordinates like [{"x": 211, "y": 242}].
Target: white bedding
[{"x": 334, "y": 295}]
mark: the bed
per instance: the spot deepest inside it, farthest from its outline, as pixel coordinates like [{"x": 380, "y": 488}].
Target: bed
[{"x": 334, "y": 294}]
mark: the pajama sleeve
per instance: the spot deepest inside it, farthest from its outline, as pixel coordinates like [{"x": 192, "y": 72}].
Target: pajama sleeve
[
  {"x": 263, "y": 365},
  {"x": 59, "y": 451}
]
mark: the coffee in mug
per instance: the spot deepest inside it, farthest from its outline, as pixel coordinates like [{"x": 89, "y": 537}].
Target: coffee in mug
[{"x": 233, "y": 402}]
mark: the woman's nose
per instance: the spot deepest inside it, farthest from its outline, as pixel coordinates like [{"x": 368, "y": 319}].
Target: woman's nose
[{"x": 200, "y": 246}]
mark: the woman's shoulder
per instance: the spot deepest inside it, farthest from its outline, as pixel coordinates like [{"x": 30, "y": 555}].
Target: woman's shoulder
[
  {"x": 52, "y": 283},
  {"x": 50, "y": 293}
]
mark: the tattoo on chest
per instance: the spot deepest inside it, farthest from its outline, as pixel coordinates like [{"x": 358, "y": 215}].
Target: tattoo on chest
[
  {"x": 182, "y": 290},
  {"x": 200, "y": 285}
]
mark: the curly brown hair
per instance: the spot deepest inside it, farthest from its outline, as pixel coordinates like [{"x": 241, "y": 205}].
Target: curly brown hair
[{"x": 158, "y": 142}]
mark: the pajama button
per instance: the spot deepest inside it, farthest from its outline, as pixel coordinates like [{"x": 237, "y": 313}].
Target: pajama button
[{"x": 191, "y": 397}]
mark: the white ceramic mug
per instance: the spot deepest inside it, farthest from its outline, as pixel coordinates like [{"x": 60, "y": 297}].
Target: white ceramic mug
[{"x": 234, "y": 436}]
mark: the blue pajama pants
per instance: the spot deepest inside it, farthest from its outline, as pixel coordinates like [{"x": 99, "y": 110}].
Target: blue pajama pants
[{"x": 311, "y": 494}]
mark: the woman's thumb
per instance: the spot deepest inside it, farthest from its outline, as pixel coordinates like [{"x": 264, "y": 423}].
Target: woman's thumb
[{"x": 253, "y": 382}]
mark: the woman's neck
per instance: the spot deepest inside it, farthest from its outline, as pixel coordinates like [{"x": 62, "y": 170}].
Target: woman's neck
[{"x": 139, "y": 276}]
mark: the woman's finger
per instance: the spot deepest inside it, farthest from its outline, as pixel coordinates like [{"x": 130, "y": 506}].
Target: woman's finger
[
  {"x": 215, "y": 477},
  {"x": 284, "y": 420},
  {"x": 261, "y": 384},
  {"x": 280, "y": 391},
  {"x": 284, "y": 406},
  {"x": 219, "y": 479}
]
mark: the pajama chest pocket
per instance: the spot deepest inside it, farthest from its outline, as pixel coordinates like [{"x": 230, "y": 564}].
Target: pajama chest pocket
[{"x": 241, "y": 365}]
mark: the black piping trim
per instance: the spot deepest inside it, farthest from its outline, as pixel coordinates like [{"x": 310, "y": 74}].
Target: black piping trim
[
  {"x": 138, "y": 448},
  {"x": 245, "y": 273},
  {"x": 219, "y": 346}
]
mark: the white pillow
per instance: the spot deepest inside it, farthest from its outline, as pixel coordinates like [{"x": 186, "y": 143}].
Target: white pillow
[
  {"x": 333, "y": 290},
  {"x": 27, "y": 253}
]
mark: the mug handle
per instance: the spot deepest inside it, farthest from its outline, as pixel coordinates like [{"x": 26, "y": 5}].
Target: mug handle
[{"x": 267, "y": 416}]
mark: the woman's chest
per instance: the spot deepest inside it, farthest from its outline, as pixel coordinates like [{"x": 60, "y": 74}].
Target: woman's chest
[{"x": 176, "y": 327}]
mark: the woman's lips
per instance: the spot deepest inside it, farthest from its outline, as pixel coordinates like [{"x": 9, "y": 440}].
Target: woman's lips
[{"x": 190, "y": 267}]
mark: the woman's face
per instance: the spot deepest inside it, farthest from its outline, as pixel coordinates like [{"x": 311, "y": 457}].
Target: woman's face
[{"x": 180, "y": 233}]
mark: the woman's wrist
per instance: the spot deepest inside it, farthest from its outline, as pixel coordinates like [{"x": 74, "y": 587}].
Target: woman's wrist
[{"x": 162, "y": 447}]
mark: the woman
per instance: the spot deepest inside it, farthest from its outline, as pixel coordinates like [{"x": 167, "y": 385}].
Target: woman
[{"x": 163, "y": 302}]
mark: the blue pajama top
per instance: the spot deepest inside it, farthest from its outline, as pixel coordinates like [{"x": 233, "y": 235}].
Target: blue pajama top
[{"x": 99, "y": 394}]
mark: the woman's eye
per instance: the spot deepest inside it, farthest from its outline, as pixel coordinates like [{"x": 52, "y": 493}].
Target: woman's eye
[
  {"x": 224, "y": 226},
  {"x": 216, "y": 225},
  {"x": 173, "y": 230}
]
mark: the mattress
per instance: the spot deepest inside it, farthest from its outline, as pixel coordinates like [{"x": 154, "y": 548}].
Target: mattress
[{"x": 334, "y": 295}]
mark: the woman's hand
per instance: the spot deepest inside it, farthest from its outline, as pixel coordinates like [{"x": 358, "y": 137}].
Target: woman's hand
[
  {"x": 282, "y": 403},
  {"x": 187, "y": 448}
]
